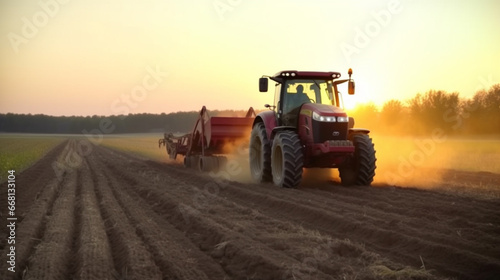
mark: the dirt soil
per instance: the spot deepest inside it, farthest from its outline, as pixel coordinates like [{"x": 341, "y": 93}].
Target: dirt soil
[{"x": 114, "y": 216}]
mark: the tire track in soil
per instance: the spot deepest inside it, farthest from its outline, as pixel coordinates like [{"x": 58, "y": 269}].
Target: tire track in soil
[
  {"x": 53, "y": 255},
  {"x": 449, "y": 256},
  {"x": 171, "y": 252},
  {"x": 94, "y": 259},
  {"x": 208, "y": 235},
  {"x": 131, "y": 259},
  {"x": 240, "y": 256},
  {"x": 228, "y": 227},
  {"x": 241, "y": 249}
]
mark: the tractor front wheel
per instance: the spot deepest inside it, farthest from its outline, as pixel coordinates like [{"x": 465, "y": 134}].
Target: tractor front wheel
[
  {"x": 287, "y": 160},
  {"x": 362, "y": 169}
]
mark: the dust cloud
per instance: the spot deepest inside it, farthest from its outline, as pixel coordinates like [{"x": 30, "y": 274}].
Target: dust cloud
[
  {"x": 401, "y": 161},
  {"x": 420, "y": 162},
  {"x": 409, "y": 161},
  {"x": 237, "y": 167}
]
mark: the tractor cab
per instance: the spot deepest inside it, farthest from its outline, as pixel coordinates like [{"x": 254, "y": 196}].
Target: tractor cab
[{"x": 294, "y": 89}]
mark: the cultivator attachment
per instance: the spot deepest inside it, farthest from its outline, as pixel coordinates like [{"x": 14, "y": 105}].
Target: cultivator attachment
[{"x": 204, "y": 148}]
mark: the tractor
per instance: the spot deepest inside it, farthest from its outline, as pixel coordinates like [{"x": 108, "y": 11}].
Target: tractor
[{"x": 306, "y": 127}]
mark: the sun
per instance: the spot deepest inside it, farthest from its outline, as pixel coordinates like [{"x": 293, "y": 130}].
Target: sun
[{"x": 349, "y": 102}]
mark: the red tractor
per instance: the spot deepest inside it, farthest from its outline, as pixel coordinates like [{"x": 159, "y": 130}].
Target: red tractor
[{"x": 307, "y": 128}]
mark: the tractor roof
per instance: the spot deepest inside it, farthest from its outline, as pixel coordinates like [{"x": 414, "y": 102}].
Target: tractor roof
[{"x": 294, "y": 74}]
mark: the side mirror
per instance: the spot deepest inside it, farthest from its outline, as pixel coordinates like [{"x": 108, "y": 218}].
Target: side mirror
[
  {"x": 263, "y": 84},
  {"x": 350, "y": 87}
]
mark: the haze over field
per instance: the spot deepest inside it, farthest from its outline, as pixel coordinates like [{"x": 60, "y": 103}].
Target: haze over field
[{"x": 119, "y": 57}]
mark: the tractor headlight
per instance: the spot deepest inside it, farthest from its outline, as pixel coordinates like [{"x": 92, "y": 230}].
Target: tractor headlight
[
  {"x": 343, "y": 119},
  {"x": 320, "y": 118}
]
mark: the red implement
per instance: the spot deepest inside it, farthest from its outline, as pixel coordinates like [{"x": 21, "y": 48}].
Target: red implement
[{"x": 204, "y": 146}]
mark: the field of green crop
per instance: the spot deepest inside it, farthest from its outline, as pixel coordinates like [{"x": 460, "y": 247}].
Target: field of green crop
[{"x": 19, "y": 151}]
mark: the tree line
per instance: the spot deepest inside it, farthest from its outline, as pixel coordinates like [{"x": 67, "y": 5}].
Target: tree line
[
  {"x": 133, "y": 123},
  {"x": 420, "y": 115},
  {"x": 435, "y": 109}
]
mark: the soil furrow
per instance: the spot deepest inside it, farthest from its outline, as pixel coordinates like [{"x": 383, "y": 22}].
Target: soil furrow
[
  {"x": 50, "y": 260},
  {"x": 110, "y": 215},
  {"x": 233, "y": 219},
  {"x": 132, "y": 260},
  {"x": 237, "y": 254},
  {"x": 93, "y": 258},
  {"x": 173, "y": 253},
  {"x": 385, "y": 239}
]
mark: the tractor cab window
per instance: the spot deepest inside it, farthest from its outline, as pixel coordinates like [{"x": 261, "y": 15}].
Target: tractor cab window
[
  {"x": 294, "y": 97},
  {"x": 277, "y": 93},
  {"x": 298, "y": 92}
]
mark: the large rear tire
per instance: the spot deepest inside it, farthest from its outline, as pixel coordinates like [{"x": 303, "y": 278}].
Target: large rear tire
[
  {"x": 260, "y": 154},
  {"x": 287, "y": 160},
  {"x": 362, "y": 170}
]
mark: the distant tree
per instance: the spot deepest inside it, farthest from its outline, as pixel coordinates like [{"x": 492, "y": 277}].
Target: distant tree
[
  {"x": 481, "y": 114},
  {"x": 394, "y": 116},
  {"x": 434, "y": 109}
]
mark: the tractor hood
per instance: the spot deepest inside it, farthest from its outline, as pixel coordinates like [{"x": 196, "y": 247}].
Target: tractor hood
[{"x": 322, "y": 109}]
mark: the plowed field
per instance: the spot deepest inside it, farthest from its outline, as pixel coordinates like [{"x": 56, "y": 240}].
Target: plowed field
[{"x": 114, "y": 216}]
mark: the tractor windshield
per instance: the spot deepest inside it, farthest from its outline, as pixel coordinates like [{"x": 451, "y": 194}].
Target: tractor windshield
[{"x": 298, "y": 92}]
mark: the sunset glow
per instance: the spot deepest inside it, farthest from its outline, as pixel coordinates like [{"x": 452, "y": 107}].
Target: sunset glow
[{"x": 119, "y": 57}]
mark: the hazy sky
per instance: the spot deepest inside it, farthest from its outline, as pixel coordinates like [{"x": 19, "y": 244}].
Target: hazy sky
[{"x": 106, "y": 57}]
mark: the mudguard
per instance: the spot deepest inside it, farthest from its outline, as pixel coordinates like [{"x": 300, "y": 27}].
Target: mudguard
[
  {"x": 358, "y": 130},
  {"x": 281, "y": 128},
  {"x": 269, "y": 120},
  {"x": 353, "y": 131}
]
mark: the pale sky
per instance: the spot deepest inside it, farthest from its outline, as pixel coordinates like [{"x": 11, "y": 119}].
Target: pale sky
[{"x": 109, "y": 57}]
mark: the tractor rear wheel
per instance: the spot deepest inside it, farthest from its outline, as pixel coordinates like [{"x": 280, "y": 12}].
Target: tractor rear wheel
[
  {"x": 260, "y": 154},
  {"x": 287, "y": 160},
  {"x": 362, "y": 170}
]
